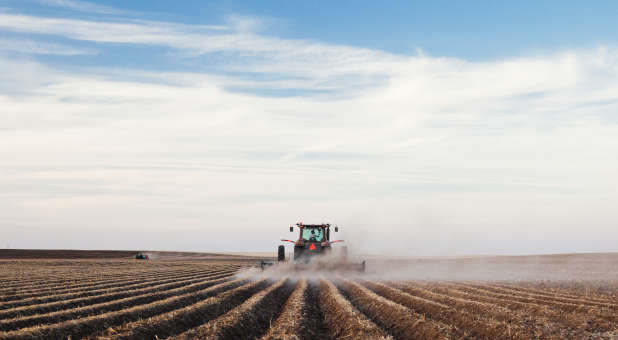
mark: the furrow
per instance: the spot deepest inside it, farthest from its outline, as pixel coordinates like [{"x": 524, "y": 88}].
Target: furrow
[
  {"x": 102, "y": 308},
  {"x": 292, "y": 323},
  {"x": 189, "y": 316},
  {"x": 103, "y": 279},
  {"x": 88, "y": 325},
  {"x": 247, "y": 321},
  {"x": 571, "y": 322},
  {"x": 109, "y": 301},
  {"x": 49, "y": 281},
  {"x": 99, "y": 285},
  {"x": 398, "y": 320},
  {"x": 560, "y": 292},
  {"x": 545, "y": 297},
  {"x": 21, "y": 306},
  {"x": 106, "y": 287},
  {"x": 91, "y": 280},
  {"x": 602, "y": 312},
  {"x": 342, "y": 320},
  {"x": 466, "y": 324},
  {"x": 535, "y": 328},
  {"x": 83, "y": 283}
]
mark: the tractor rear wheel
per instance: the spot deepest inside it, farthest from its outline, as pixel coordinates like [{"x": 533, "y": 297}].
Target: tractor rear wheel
[
  {"x": 281, "y": 253},
  {"x": 298, "y": 252}
]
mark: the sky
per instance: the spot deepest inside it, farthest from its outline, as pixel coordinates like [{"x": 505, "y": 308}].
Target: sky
[{"x": 420, "y": 128}]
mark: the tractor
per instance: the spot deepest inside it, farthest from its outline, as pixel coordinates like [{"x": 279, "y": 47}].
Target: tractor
[{"x": 312, "y": 250}]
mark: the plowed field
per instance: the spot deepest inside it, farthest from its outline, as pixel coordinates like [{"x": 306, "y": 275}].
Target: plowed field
[{"x": 225, "y": 298}]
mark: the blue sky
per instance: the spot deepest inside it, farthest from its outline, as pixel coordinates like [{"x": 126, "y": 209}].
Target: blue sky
[
  {"x": 464, "y": 128},
  {"x": 478, "y": 30}
]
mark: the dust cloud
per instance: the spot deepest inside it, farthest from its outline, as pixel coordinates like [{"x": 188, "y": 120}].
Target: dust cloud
[{"x": 599, "y": 267}]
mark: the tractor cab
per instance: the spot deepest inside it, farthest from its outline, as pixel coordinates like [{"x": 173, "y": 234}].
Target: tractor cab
[{"x": 313, "y": 234}]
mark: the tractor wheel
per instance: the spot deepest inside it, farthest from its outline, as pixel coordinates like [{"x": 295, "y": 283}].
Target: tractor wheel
[
  {"x": 298, "y": 253},
  {"x": 281, "y": 253}
]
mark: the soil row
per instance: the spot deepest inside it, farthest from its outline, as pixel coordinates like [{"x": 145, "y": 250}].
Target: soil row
[
  {"x": 555, "y": 292},
  {"x": 108, "y": 300},
  {"x": 88, "y": 325},
  {"x": 78, "y": 311},
  {"x": 290, "y": 323},
  {"x": 596, "y": 311},
  {"x": 342, "y": 319},
  {"x": 96, "y": 285},
  {"x": 546, "y": 297},
  {"x": 189, "y": 316},
  {"x": 597, "y": 290},
  {"x": 468, "y": 323},
  {"x": 302, "y": 316},
  {"x": 568, "y": 323},
  {"x": 84, "y": 281},
  {"x": 395, "y": 318},
  {"x": 515, "y": 322},
  {"x": 20, "y": 306},
  {"x": 250, "y": 320}
]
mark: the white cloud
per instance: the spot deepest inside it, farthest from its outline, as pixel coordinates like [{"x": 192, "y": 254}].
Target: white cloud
[
  {"x": 243, "y": 23},
  {"x": 258, "y": 53},
  {"x": 431, "y": 155},
  {"x": 37, "y": 47},
  {"x": 133, "y": 31},
  {"x": 81, "y": 6}
]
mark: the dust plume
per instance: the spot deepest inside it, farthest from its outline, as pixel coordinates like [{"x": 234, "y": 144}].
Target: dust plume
[{"x": 599, "y": 267}]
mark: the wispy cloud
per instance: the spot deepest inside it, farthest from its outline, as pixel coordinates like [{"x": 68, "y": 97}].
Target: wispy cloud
[
  {"x": 81, "y": 6},
  {"x": 262, "y": 51},
  {"x": 30, "y": 46},
  {"x": 246, "y": 24}
]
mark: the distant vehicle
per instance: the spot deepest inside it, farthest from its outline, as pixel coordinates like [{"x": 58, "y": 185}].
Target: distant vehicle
[{"x": 141, "y": 256}]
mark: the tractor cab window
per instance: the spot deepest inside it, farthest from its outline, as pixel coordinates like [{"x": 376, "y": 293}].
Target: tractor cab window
[{"x": 313, "y": 234}]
